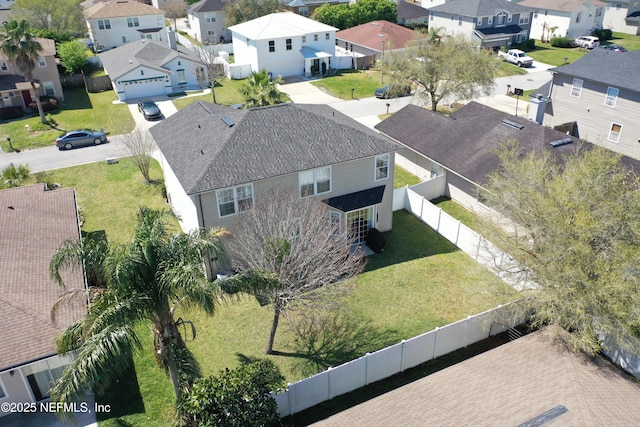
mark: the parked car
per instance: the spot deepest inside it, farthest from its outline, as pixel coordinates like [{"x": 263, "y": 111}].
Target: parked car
[
  {"x": 391, "y": 90},
  {"x": 517, "y": 57},
  {"x": 587, "y": 42},
  {"x": 149, "y": 109},
  {"x": 614, "y": 47},
  {"x": 79, "y": 138}
]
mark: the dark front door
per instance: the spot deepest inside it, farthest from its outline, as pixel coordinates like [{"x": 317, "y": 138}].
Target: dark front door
[{"x": 26, "y": 96}]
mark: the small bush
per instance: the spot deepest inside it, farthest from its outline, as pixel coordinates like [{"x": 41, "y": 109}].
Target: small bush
[
  {"x": 49, "y": 105},
  {"x": 605, "y": 34},
  {"x": 561, "y": 42},
  {"x": 526, "y": 45}
]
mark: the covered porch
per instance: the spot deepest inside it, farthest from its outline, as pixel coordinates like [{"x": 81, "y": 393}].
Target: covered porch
[{"x": 315, "y": 61}]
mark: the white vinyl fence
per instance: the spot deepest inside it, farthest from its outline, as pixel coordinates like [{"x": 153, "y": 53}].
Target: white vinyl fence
[{"x": 387, "y": 362}]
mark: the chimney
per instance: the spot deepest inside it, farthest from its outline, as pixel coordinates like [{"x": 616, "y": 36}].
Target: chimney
[
  {"x": 172, "y": 38},
  {"x": 537, "y": 107}
]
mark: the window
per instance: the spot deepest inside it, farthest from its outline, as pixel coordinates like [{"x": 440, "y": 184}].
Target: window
[
  {"x": 612, "y": 97},
  {"x": 500, "y": 19},
  {"x": 316, "y": 181},
  {"x": 576, "y": 89},
  {"x": 288, "y": 43},
  {"x": 435, "y": 170},
  {"x": 209, "y": 18},
  {"x": 360, "y": 222},
  {"x": 326, "y": 36},
  {"x": 578, "y": 17},
  {"x": 459, "y": 20},
  {"x": 618, "y": 6},
  {"x": 335, "y": 219},
  {"x": 133, "y": 22},
  {"x": 124, "y": 39},
  {"x": 181, "y": 77},
  {"x": 104, "y": 24},
  {"x": 614, "y": 132},
  {"x": 49, "y": 89},
  {"x": 3, "y": 66},
  {"x": 315, "y": 37},
  {"x": 304, "y": 39},
  {"x": 272, "y": 46},
  {"x": 431, "y": 16},
  {"x": 234, "y": 200},
  {"x": 211, "y": 33},
  {"x": 599, "y": 11},
  {"x": 42, "y": 62},
  {"x": 382, "y": 167},
  {"x": 304, "y": 10},
  {"x": 524, "y": 20}
]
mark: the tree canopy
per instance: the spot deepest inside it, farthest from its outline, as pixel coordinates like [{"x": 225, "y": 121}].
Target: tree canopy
[
  {"x": 578, "y": 236},
  {"x": 261, "y": 90},
  {"x": 58, "y": 16},
  {"x": 443, "y": 67},
  {"x": 73, "y": 56},
  {"x": 239, "y": 11},
  {"x": 347, "y": 15}
]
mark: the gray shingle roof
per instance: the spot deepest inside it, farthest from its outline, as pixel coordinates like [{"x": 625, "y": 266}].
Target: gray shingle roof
[
  {"x": 206, "y": 154},
  {"x": 465, "y": 142},
  {"x": 146, "y": 52},
  {"x": 408, "y": 10},
  {"x": 208, "y": 6},
  {"x": 478, "y": 8},
  {"x": 617, "y": 69}
]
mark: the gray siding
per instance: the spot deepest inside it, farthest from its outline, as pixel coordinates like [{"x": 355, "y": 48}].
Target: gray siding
[
  {"x": 346, "y": 178},
  {"x": 594, "y": 118}
]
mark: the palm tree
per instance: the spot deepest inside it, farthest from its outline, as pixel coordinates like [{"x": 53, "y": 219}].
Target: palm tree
[
  {"x": 19, "y": 44},
  {"x": 147, "y": 279},
  {"x": 261, "y": 90}
]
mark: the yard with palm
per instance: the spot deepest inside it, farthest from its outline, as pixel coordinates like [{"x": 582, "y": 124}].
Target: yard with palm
[{"x": 421, "y": 281}]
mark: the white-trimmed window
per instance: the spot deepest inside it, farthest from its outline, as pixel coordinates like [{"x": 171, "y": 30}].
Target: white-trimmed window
[
  {"x": 614, "y": 132},
  {"x": 104, "y": 24},
  {"x": 335, "y": 219},
  {"x": 133, "y": 22},
  {"x": 288, "y": 44},
  {"x": 42, "y": 62},
  {"x": 315, "y": 37},
  {"x": 315, "y": 181},
  {"x": 182, "y": 78},
  {"x": 272, "y": 46},
  {"x": 234, "y": 200},
  {"x": 210, "y": 18},
  {"x": 612, "y": 96},
  {"x": 48, "y": 88},
  {"x": 576, "y": 89},
  {"x": 326, "y": 36},
  {"x": 500, "y": 19},
  {"x": 4, "y": 66},
  {"x": 303, "y": 10},
  {"x": 524, "y": 19},
  {"x": 382, "y": 167}
]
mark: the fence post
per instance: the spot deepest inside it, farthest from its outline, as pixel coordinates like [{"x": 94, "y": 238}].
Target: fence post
[
  {"x": 289, "y": 398},
  {"x": 438, "y": 224},
  {"x": 466, "y": 331},
  {"x": 366, "y": 369},
  {"x": 329, "y": 383},
  {"x": 457, "y": 233},
  {"x": 435, "y": 343},
  {"x": 402, "y": 356}
]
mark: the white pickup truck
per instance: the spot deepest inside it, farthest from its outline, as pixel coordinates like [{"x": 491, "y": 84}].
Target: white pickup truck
[{"x": 516, "y": 56}]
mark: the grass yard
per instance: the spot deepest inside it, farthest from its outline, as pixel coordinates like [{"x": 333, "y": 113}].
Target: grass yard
[
  {"x": 507, "y": 69},
  {"x": 401, "y": 178},
  {"x": 226, "y": 94},
  {"x": 630, "y": 41},
  {"x": 364, "y": 83},
  {"x": 459, "y": 212},
  {"x": 80, "y": 110},
  {"x": 551, "y": 55}
]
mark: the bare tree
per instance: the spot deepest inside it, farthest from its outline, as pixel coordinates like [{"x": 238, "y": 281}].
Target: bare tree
[
  {"x": 287, "y": 249},
  {"x": 141, "y": 145},
  {"x": 174, "y": 9},
  {"x": 217, "y": 67}
]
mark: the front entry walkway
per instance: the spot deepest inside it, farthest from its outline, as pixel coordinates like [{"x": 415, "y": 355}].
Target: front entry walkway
[{"x": 303, "y": 92}]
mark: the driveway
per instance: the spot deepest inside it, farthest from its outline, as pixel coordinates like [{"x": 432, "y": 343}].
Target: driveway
[
  {"x": 303, "y": 92},
  {"x": 165, "y": 105}
]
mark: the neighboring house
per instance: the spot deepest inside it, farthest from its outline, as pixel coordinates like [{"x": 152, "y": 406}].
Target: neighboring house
[
  {"x": 374, "y": 38},
  {"x": 410, "y": 13},
  {"x": 218, "y": 160},
  {"x": 490, "y": 23},
  {"x": 461, "y": 148},
  {"x": 307, "y": 7},
  {"x": 6, "y": 4},
  {"x": 34, "y": 223},
  {"x": 622, "y": 16},
  {"x": 16, "y": 92},
  {"x": 118, "y": 22},
  {"x": 207, "y": 21},
  {"x": 569, "y": 18},
  {"x": 147, "y": 68},
  {"x": 284, "y": 43},
  {"x": 600, "y": 94}
]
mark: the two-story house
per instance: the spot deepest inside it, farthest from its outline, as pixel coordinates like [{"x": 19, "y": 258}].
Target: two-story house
[
  {"x": 490, "y": 23},
  {"x": 218, "y": 160},
  {"x": 206, "y": 21},
  {"x": 598, "y": 96},
  {"x": 622, "y": 16},
  {"x": 285, "y": 43},
  {"x": 118, "y": 22},
  {"x": 571, "y": 18},
  {"x": 15, "y": 91}
]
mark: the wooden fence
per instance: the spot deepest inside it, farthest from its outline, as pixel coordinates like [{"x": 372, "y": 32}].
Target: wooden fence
[{"x": 92, "y": 84}]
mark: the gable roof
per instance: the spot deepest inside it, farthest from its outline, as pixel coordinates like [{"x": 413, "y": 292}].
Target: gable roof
[
  {"x": 206, "y": 154},
  {"x": 560, "y": 5},
  {"x": 299, "y": 3},
  {"x": 278, "y": 25},
  {"x": 464, "y": 142},
  {"x": 479, "y": 8},
  {"x": 208, "y": 6},
  {"x": 408, "y": 10},
  {"x": 48, "y": 48},
  {"x": 33, "y": 224},
  {"x": 373, "y": 33},
  {"x": 120, "y": 9},
  {"x": 145, "y": 52},
  {"x": 621, "y": 70}
]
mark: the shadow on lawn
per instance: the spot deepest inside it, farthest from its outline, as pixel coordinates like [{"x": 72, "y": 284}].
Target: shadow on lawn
[
  {"x": 122, "y": 403},
  {"x": 76, "y": 99},
  {"x": 409, "y": 239}
]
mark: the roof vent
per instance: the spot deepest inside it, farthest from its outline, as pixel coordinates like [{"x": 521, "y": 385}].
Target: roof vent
[
  {"x": 227, "y": 121},
  {"x": 561, "y": 142},
  {"x": 512, "y": 124}
]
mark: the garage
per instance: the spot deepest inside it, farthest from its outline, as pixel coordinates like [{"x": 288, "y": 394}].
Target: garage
[{"x": 143, "y": 88}]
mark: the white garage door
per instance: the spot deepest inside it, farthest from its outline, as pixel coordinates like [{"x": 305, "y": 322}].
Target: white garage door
[{"x": 144, "y": 88}]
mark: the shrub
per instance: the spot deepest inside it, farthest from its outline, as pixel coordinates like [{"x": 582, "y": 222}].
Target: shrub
[
  {"x": 561, "y": 42},
  {"x": 605, "y": 34},
  {"x": 49, "y": 105}
]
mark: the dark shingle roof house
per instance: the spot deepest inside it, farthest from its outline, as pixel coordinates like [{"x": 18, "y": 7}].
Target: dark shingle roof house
[
  {"x": 208, "y": 6},
  {"x": 410, "y": 11},
  {"x": 478, "y": 8},
  {"x": 625, "y": 74},
  {"x": 33, "y": 224},
  {"x": 211, "y": 146}
]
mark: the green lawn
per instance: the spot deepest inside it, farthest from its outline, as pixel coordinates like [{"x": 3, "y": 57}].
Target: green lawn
[
  {"x": 507, "y": 69},
  {"x": 551, "y": 55},
  {"x": 630, "y": 41},
  {"x": 80, "y": 110},
  {"x": 226, "y": 94},
  {"x": 401, "y": 178},
  {"x": 364, "y": 83},
  {"x": 459, "y": 212},
  {"x": 419, "y": 282}
]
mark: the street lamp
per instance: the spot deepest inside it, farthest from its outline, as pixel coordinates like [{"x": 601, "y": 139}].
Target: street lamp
[{"x": 388, "y": 107}]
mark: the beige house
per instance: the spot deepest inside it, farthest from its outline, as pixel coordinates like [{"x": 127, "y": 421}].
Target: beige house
[{"x": 15, "y": 91}]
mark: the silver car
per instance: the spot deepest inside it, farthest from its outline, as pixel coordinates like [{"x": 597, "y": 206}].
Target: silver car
[{"x": 79, "y": 138}]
